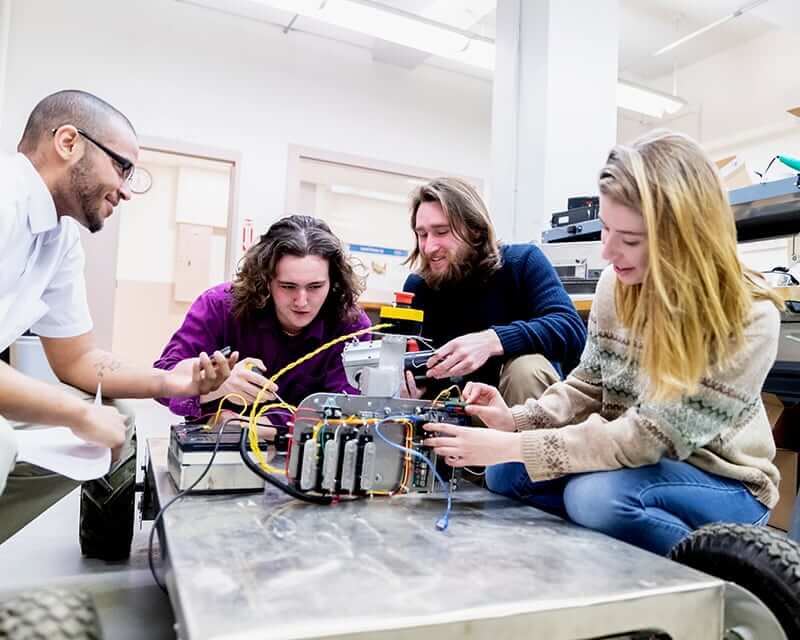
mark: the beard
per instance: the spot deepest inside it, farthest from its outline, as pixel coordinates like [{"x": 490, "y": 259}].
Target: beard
[
  {"x": 460, "y": 267},
  {"x": 88, "y": 194}
]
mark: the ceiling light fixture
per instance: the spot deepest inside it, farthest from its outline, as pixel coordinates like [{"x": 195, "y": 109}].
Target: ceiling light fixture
[
  {"x": 647, "y": 101},
  {"x": 397, "y": 26},
  {"x": 441, "y": 32},
  {"x": 740, "y": 11}
]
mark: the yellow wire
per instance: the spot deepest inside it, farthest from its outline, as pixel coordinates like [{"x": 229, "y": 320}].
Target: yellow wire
[
  {"x": 252, "y": 436},
  {"x": 317, "y": 351},
  {"x": 252, "y": 423},
  {"x": 447, "y": 391},
  {"x": 215, "y": 419}
]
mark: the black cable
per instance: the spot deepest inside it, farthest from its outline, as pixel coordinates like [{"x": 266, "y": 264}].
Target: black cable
[
  {"x": 283, "y": 486},
  {"x": 250, "y": 465},
  {"x": 763, "y": 175},
  {"x": 179, "y": 495}
]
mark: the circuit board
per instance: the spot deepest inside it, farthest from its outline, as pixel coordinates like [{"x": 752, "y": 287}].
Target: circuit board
[{"x": 358, "y": 445}]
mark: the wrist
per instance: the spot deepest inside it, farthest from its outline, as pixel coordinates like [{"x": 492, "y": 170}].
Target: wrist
[
  {"x": 515, "y": 448},
  {"x": 159, "y": 384},
  {"x": 76, "y": 414},
  {"x": 495, "y": 346},
  {"x": 213, "y": 395}
]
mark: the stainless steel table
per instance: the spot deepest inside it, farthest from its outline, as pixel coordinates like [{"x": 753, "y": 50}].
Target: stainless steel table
[{"x": 266, "y": 566}]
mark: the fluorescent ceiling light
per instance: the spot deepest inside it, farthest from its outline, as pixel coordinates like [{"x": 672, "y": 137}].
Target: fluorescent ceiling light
[
  {"x": 462, "y": 14},
  {"x": 441, "y": 32},
  {"x": 643, "y": 100},
  {"x": 347, "y": 190},
  {"x": 399, "y": 27},
  {"x": 709, "y": 27}
]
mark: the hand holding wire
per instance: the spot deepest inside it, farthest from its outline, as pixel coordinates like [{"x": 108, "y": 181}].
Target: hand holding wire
[
  {"x": 485, "y": 402},
  {"x": 463, "y": 355},
  {"x": 246, "y": 380},
  {"x": 473, "y": 446}
]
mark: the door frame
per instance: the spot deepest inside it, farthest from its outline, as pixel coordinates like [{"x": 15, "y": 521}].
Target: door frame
[
  {"x": 102, "y": 252},
  {"x": 180, "y": 148}
]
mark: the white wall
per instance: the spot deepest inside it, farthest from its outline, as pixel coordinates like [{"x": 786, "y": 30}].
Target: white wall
[
  {"x": 189, "y": 74},
  {"x": 737, "y": 106},
  {"x": 737, "y": 94}
]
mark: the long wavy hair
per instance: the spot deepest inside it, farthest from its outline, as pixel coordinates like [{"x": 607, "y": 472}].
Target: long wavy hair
[
  {"x": 690, "y": 311},
  {"x": 469, "y": 220},
  {"x": 298, "y": 236}
]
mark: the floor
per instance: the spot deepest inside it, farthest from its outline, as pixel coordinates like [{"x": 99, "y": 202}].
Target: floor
[{"x": 46, "y": 553}]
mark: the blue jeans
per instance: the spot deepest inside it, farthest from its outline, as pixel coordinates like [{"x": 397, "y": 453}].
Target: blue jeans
[{"x": 652, "y": 507}]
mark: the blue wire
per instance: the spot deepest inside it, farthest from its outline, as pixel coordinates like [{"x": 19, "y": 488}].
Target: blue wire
[{"x": 441, "y": 523}]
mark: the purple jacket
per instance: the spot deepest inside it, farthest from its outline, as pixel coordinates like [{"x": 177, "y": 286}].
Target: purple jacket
[{"x": 209, "y": 325}]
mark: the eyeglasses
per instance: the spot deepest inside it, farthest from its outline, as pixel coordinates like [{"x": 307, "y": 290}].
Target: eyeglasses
[{"x": 127, "y": 168}]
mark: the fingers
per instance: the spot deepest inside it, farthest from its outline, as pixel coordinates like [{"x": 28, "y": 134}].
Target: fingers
[
  {"x": 441, "y": 366},
  {"x": 446, "y": 429},
  {"x": 476, "y": 410},
  {"x": 411, "y": 390},
  {"x": 439, "y": 443},
  {"x": 222, "y": 368},
  {"x": 248, "y": 383},
  {"x": 476, "y": 392},
  {"x": 209, "y": 373},
  {"x": 438, "y": 356},
  {"x": 201, "y": 365},
  {"x": 436, "y": 364},
  {"x": 461, "y": 368}
]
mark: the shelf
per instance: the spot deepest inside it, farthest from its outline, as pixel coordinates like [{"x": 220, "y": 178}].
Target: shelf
[{"x": 764, "y": 210}]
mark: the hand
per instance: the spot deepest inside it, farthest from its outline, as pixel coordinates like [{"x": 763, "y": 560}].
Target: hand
[
  {"x": 410, "y": 388},
  {"x": 198, "y": 376},
  {"x": 461, "y": 356},
  {"x": 468, "y": 446},
  {"x": 246, "y": 383},
  {"x": 100, "y": 425},
  {"x": 485, "y": 402}
]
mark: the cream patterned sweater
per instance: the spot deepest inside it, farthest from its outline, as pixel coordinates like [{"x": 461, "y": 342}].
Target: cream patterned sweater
[{"x": 598, "y": 419}]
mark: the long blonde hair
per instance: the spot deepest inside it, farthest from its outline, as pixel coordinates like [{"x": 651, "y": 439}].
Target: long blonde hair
[{"x": 690, "y": 311}]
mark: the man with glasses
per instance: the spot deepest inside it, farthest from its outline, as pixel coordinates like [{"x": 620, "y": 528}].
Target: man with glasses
[{"x": 74, "y": 165}]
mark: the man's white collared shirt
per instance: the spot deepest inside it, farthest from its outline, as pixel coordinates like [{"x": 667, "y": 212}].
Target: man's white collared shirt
[{"x": 42, "y": 286}]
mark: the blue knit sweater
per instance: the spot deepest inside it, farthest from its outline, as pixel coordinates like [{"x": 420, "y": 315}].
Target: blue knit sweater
[{"x": 524, "y": 302}]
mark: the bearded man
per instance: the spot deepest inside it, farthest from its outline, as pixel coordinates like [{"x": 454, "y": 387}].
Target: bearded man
[{"x": 496, "y": 313}]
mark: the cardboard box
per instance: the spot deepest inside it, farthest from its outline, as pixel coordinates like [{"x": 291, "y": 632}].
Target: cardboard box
[
  {"x": 774, "y": 407},
  {"x": 786, "y": 461},
  {"x": 734, "y": 173},
  {"x": 780, "y": 418}
]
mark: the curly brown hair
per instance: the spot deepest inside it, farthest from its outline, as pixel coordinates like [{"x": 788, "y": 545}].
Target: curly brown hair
[
  {"x": 298, "y": 236},
  {"x": 469, "y": 220}
]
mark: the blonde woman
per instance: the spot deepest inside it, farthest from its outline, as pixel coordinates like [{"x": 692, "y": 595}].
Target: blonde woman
[{"x": 660, "y": 429}]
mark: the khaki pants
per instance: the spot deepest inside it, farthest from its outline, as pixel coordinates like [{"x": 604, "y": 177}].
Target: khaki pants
[
  {"x": 30, "y": 490},
  {"x": 526, "y": 377}
]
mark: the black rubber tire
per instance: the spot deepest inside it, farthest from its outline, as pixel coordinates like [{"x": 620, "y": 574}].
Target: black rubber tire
[
  {"x": 765, "y": 563},
  {"x": 49, "y": 614},
  {"x": 107, "y": 513}
]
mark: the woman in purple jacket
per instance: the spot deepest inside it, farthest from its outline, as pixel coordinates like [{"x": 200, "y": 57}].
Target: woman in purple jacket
[{"x": 295, "y": 291}]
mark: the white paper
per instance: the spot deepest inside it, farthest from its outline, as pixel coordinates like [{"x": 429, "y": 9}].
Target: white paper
[{"x": 58, "y": 449}]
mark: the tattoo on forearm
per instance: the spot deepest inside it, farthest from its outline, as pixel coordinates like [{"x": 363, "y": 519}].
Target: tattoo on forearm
[{"x": 106, "y": 364}]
